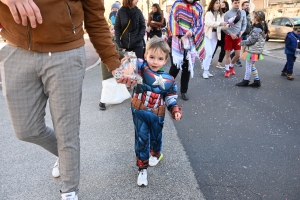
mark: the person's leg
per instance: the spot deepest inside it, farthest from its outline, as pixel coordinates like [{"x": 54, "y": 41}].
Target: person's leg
[
  {"x": 228, "y": 46},
  {"x": 185, "y": 76},
  {"x": 208, "y": 45},
  {"x": 245, "y": 81},
  {"x": 218, "y": 44},
  {"x": 256, "y": 82},
  {"x": 156, "y": 127},
  {"x": 290, "y": 65},
  {"x": 25, "y": 98},
  {"x": 62, "y": 75}
]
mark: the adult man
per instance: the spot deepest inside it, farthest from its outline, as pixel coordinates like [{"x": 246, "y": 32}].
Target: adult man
[
  {"x": 246, "y": 8},
  {"x": 46, "y": 60},
  {"x": 233, "y": 35}
]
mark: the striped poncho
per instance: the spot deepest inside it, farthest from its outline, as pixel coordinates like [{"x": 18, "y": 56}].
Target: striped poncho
[{"x": 185, "y": 17}]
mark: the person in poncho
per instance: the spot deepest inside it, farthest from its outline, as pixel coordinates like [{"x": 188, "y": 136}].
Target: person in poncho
[{"x": 187, "y": 28}]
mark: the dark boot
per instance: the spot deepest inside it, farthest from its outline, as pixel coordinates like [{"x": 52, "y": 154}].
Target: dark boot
[
  {"x": 244, "y": 83},
  {"x": 256, "y": 83}
]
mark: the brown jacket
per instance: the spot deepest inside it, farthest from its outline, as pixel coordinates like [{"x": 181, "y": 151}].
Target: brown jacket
[{"x": 62, "y": 30}]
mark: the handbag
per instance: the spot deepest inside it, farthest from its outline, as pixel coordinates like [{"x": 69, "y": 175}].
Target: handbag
[{"x": 113, "y": 92}]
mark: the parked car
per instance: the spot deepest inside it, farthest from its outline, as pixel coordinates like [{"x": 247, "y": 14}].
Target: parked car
[{"x": 280, "y": 26}]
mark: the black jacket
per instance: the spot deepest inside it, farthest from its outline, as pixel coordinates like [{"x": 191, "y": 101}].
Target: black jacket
[{"x": 133, "y": 38}]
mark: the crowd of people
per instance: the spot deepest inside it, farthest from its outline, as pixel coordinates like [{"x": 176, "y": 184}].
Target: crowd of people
[{"x": 191, "y": 33}]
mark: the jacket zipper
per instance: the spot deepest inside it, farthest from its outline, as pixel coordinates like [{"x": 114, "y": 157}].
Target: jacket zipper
[
  {"x": 29, "y": 37},
  {"x": 129, "y": 41},
  {"x": 70, "y": 14}
]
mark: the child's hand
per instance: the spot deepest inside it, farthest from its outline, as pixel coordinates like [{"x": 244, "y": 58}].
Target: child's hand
[{"x": 177, "y": 116}]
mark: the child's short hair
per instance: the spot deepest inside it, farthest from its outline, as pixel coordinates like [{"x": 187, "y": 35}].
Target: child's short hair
[{"x": 158, "y": 43}]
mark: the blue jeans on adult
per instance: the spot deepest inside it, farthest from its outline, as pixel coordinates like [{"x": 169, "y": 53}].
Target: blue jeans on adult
[{"x": 290, "y": 60}]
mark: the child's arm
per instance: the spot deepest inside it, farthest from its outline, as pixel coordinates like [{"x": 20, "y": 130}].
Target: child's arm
[
  {"x": 252, "y": 39},
  {"x": 170, "y": 100}
]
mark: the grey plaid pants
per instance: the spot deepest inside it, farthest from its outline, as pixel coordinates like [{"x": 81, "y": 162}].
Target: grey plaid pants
[{"x": 29, "y": 80}]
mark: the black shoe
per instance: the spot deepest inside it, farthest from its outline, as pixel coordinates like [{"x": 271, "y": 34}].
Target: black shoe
[
  {"x": 256, "y": 83},
  {"x": 102, "y": 106},
  {"x": 184, "y": 96},
  {"x": 244, "y": 83}
]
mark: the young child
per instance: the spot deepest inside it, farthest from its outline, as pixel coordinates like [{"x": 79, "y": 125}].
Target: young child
[
  {"x": 292, "y": 51},
  {"x": 157, "y": 91},
  {"x": 254, "y": 48},
  {"x": 112, "y": 92}
]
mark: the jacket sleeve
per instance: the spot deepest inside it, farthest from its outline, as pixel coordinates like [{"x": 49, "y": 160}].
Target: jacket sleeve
[
  {"x": 208, "y": 20},
  {"x": 244, "y": 21},
  {"x": 99, "y": 33},
  {"x": 142, "y": 28},
  {"x": 252, "y": 39},
  {"x": 171, "y": 103}
]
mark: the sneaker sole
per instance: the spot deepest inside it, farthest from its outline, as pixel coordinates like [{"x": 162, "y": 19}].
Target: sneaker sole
[{"x": 142, "y": 184}]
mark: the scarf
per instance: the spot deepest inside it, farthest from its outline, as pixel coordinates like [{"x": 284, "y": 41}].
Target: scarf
[{"x": 131, "y": 13}]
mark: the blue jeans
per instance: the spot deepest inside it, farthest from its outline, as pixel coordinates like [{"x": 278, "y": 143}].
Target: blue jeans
[{"x": 290, "y": 60}]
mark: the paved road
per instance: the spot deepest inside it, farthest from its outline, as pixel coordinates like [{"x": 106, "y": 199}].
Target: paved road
[
  {"x": 244, "y": 143},
  {"x": 108, "y": 168}
]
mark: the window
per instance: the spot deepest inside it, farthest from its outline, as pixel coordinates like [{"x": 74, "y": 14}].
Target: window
[
  {"x": 276, "y": 21},
  {"x": 296, "y": 20},
  {"x": 286, "y": 22}
]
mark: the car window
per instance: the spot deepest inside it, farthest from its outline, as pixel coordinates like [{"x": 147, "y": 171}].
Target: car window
[
  {"x": 296, "y": 20},
  {"x": 276, "y": 21},
  {"x": 286, "y": 22}
]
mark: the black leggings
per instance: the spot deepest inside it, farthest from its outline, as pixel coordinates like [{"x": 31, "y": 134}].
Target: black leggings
[
  {"x": 185, "y": 74},
  {"x": 221, "y": 43}
]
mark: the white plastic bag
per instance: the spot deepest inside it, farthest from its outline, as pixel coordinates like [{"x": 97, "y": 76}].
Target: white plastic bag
[
  {"x": 113, "y": 92},
  {"x": 185, "y": 43}
]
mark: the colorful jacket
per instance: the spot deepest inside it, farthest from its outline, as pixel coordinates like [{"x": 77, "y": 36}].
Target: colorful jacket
[{"x": 256, "y": 41}]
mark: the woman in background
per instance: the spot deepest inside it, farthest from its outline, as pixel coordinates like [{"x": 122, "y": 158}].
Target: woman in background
[
  {"x": 155, "y": 21},
  {"x": 224, "y": 8}
]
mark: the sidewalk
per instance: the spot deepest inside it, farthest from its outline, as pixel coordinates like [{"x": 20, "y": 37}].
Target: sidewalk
[{"x": 108, "y": 169}]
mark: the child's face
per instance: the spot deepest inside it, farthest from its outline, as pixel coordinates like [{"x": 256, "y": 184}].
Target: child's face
[{"x": 156, "y": 59}]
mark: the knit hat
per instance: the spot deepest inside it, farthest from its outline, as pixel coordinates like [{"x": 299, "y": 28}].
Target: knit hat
[{"x": 115, "y": 5}]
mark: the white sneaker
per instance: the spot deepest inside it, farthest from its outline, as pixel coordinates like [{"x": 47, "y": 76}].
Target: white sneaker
[
  {"x": 205, "y": 75},
  {"x": 55, "y": 170},
  {"x": 69, "y": 196},
  {"x": 142, "y": 178},
  {"x": 220, "y": 66},
  {"x": 153, "y": 160},
  {"x": 209, "y": 74}
]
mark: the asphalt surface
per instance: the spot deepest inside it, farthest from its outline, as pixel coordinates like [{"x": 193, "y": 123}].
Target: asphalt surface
[
  {"x": 232, "y": 143},
  {"x": 243, "y": 143},
  {"x": 108, "y": 169}
]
